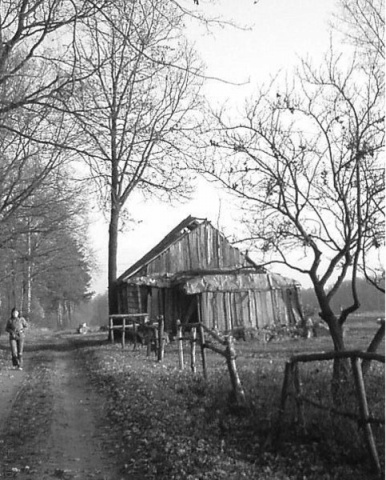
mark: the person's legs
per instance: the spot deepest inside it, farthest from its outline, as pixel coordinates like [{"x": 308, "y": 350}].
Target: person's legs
[
  {"x": 20, "y": 348},
  {"x": 14, "y": 352}
]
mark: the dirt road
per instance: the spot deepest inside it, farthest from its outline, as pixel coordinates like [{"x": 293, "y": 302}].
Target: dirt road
[{"x": 52, "y": 419}]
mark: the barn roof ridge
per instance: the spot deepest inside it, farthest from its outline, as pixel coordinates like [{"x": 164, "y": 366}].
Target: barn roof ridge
[
  {"x": 183, "y": 228},
  {"x": 187, "y": 225}
]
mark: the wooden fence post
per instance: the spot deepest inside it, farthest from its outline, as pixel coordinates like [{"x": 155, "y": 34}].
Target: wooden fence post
[
  {"x": 123, "y": 331},
  {"x": 235, "y": 379},
  {"x": 135, "y": 335},
  {"x": 180, "y": 345},
  {"x": 111, "y": 325},
  {"x": 193, "y": 341},
  {"x": 286, "y": 382},
  {"x": 374, "y": 344},
  {"x": 365, "y": 414},
  {"x": 203, "y": 353},
  {"x": 156, "y": 340},
  {"x": 149, "y": 339},
  {"x": 298, "y": 392},
  {"x": 161, "y": 340},
  {"x": 276, "y": 430}
]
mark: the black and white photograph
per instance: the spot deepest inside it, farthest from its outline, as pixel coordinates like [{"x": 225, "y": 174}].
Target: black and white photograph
[{"x": 192, "y": 239}]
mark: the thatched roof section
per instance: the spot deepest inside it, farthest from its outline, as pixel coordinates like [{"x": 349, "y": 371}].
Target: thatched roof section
[{"x": 220, "y": 281}]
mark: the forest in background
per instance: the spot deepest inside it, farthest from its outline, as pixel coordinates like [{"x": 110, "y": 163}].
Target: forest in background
[{"x": 371, "y": 299}]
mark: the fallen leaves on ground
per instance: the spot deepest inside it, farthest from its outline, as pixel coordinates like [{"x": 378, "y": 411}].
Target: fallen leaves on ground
[{"x": 176, "y": 426}]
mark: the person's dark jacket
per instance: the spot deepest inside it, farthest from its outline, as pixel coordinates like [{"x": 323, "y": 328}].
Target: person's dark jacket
[{"x": 16, "y": 326}]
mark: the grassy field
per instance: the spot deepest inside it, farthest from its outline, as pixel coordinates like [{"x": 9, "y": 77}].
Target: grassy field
[{"x": 178, "y": 426}]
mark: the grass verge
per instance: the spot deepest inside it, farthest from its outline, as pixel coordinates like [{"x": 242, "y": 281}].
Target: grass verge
[{"x": 176, "y": 426}]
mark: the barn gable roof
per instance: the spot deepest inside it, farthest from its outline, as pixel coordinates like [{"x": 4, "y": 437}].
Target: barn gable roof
[{"x": 184, "y": 228}]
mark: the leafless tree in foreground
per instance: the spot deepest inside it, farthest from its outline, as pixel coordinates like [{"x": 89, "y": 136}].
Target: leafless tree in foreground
[{"x": 306, "y": 162}]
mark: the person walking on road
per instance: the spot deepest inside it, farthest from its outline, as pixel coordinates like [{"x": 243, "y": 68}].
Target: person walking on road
[{"x": 15, "y": 327}]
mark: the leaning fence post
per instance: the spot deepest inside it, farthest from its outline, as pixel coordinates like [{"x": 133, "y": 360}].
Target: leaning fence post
[
  {"x": 364, "y": 413},
  {"x": 161, "y": 340},
  {"x": 180, "y": 345},
  {"x": 373, "y": 347},
  {"x": 123, "y": 331},
  {"x": 235, "y": 379},
  {"x": 193, "y": 340},
  {"x": 203, "y": 353}
]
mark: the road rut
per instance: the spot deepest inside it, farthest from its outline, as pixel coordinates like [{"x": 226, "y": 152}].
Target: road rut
[{"x": 52, "y": 419}]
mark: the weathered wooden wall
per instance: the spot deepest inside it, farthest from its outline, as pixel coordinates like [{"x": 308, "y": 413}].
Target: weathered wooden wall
[
  {"x": 249, "y": 309},
  {"x": 204, "y": 248},
  {"x": 220, "y": 310},
  {"x": 201, "y": 249}
]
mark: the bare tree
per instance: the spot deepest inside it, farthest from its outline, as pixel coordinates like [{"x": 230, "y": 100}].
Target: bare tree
[
  {"x": 25, "y": 165},
  {"x": 135, "y": 114},
  {"x": 37, "y": 61},
  {"x": 363, "y": 24},
  {"x": 43, "y": 240},
  {"x": 306, "y": 163},
  {"x": 41, "y": 34}
]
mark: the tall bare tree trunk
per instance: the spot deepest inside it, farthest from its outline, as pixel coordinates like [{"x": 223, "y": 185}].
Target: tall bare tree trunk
[
  {"x": 28, "y": 280},
  {"x": 112, "y": 258},
  {"x": 70, "y": 307},
  {"x": 14, "y": 285},
  {"x": 59, "y": 318}
]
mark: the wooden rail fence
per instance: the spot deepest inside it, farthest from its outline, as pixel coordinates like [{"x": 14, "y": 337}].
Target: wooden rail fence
[
  {"x": 154, "y": 337},
  {"x": 138, "y": 324},
  {"x": 198, "y": 332},
  {"x": 364, "y": 419}
]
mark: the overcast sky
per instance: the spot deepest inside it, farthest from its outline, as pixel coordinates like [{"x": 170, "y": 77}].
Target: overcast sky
[{"x": 279, "y": 33}]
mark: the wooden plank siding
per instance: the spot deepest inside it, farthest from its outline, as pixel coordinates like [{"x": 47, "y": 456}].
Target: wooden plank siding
[
  {"x": 204, "y": 248},
  {"x": 199, "y": 251},
  {"x": 128, "y": 300},
  {"x": 249, "y": 309},
  {"x": 221, "y": 310}
]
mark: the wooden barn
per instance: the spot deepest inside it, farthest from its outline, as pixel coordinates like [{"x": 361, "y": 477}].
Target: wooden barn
[{"x": 195, "y": 274}]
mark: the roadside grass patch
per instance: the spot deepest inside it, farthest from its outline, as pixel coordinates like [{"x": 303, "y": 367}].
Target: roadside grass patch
[{"x": 176, "y": 425}]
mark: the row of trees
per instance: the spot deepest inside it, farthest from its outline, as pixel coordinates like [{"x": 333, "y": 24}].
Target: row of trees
[
  {"x": 110, "y": 85},
  {"x": 45, "y": 265},
  {"x": 46, "y": 268}
]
